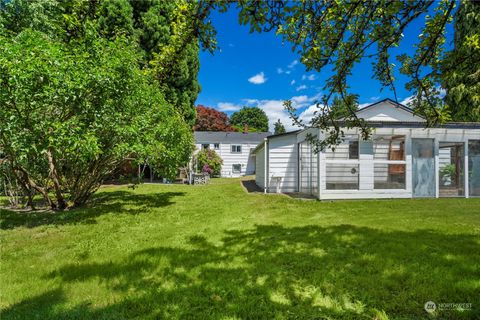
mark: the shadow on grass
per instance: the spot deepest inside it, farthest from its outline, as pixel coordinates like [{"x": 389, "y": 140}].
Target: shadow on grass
[
  {"x": 340, "y": 272},
  {"x": 102, "y": 203}
]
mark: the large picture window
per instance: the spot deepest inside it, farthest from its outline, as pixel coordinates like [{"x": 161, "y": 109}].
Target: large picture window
[{"x": 341, "y": 176}]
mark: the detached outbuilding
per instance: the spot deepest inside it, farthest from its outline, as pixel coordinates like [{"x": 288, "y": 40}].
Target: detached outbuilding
[{"x": 404, "y": 159}]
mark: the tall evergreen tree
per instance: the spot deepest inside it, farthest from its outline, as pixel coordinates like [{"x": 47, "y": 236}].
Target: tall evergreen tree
[{"x": 278, "y": 127}]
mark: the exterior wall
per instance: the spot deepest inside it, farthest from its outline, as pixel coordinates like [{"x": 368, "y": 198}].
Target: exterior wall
[
  {"x": 246, "y": 158},
  {"x": 366, "y": 162},
  {"x": 282, "y": 163},
  {"x": 386, "y": 111},
  {"x": 260, "y": 167}
]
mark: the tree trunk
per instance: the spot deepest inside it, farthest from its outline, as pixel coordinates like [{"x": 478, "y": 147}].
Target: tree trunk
[{"x": 56, "y": 181}]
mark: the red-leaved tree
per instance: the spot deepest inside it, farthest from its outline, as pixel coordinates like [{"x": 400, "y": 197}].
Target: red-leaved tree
[{"x": 209, "y": 119}]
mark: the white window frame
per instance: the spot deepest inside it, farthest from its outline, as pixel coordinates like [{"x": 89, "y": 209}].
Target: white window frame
[
  {"x": 216, "y": 146},
  {"x": 235, "y": 146},
  {"x": 353, "y": 162},
  {"x": 380, "y": 161}
]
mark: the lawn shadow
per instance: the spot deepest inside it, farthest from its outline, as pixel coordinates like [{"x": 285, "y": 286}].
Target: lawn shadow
[
  {"x": 119, "y": 202},
  {"x": 310, "y": 272}
]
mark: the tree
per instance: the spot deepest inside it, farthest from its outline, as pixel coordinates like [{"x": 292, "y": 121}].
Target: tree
[
  {"x": 336, "y": 35},
  {"x": 76, "y": 101},
  {"x": 92, "y": 108},
  {"x": 460, "y": 71},
  {"x": 254, "y": 117},
  {"x": 279, "y": 127},
  {"x": 209, "y": 119}
]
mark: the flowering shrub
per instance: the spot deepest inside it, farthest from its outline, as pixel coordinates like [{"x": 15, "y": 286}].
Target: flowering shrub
[
  {"x": 206, "y": 169},
  {"x": 208, "y": 158}
]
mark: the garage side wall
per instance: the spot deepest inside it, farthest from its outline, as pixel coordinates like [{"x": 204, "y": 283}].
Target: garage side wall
[
  {"x": 282, "y": 160},
  {"x": 260, "y": 167}
]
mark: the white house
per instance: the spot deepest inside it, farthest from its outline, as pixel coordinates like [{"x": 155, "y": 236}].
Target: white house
[
  {"x": 403, "y": 159},
  {"x": 235, "y": 149}
]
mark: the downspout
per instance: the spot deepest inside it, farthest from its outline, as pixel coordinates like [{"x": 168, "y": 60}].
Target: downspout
[{"x": 265, "y": 161}]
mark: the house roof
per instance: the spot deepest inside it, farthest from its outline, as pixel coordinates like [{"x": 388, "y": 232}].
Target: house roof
[
  {"x": 396, "y": 104},
  {"x": 229, "y": 137}
]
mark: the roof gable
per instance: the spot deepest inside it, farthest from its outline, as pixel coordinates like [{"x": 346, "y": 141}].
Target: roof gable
[{"x": 388, "y": 110}]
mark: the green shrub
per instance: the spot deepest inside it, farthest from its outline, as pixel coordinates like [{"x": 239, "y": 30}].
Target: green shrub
[{"x": 211, "y": 159}]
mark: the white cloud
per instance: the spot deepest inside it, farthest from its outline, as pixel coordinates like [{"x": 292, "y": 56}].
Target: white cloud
[
  {"x": 407, "y": 100},
  {"x": 280, "y": 70},
  {"x": 231, "y": 45},
  {"x": 309, "y": 77},
  {"x": 292, "y": 82},
  {"x": 363, "y": 105},
  {"x": 275, "y": 109},
  {"x": 227, "y": 106},
  {"x": 293, "y": 64},
  {"x": 374, "y": 98},
  {"x": 288, "y": 72},
  {"x": 309, "y": 113},
  {"x": 302, "y": 87},
  {"x": 259, "y": 78}
]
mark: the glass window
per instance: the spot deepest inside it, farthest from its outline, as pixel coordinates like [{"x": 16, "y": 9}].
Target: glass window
[
  {"x": 474, "y": 168},
  {"x": 216, "y": 146},
  {"x": 451, "y": 169},
  {"x": 389, "y": 147},
  {"x": 341, "y": 176},
  {"x": 236, "y": 168},
  {"x": 205, "y": 146},
  {"x": 353, "y": 149},
  {"x": 347, "y": 150},
  {"x": 236, "y": 148},
  {"x": 389, "y": 176}
]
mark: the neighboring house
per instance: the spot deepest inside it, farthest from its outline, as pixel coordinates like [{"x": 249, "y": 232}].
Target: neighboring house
[
  {"x": 235, "y": 149},
  {"x": 403, "y": 159}
]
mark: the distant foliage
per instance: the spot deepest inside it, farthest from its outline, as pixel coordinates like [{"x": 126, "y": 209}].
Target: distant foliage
[
  {"x": 209, "y": 119},
  {"x": 279, "y": 127},
  {"x": 254, "y": 117},
  {"x": 209, "y": 158}
]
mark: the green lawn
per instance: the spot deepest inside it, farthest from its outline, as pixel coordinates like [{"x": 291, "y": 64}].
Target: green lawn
[{"x": 215, "y": 252}]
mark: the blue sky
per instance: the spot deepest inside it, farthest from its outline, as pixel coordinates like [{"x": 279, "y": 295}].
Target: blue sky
[{"x": 256, "y": 69}]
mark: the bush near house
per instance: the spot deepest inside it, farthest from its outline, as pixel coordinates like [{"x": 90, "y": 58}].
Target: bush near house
[{"x": 209, "y": 158}]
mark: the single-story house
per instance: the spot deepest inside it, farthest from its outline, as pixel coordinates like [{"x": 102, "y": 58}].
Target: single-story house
[
  {"x": 403, "y": 159},
  {"x": 235, "y": 149}
]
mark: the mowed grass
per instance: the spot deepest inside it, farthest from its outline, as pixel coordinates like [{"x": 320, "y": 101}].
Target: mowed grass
[{"x": 216, "y": 252}]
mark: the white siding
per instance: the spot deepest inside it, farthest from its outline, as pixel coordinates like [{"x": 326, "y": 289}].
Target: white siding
[
  {"x": 282, "y": 163},
  {"x": 245, "y": 158},
  {"x": 260, "y": 167},
  {"x": 386, "y": 111}
]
